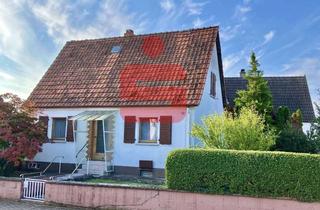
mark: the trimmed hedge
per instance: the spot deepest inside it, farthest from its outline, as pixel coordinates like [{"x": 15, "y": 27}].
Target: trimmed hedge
[{"x": 252, "y": 173}]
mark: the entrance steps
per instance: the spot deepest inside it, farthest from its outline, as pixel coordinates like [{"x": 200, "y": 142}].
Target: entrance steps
[{"x": 87, "y": 169}]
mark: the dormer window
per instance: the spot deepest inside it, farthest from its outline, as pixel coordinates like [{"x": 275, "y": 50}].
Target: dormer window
[{"x": 116, "y": 49}]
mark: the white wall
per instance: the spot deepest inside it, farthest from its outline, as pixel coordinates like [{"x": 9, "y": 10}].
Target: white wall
[
  {"x": 124, "y": 154},
  {"x": 130, "y": 154},
  {"x": 66, "y": 149},
  {"x": 208, "y": 104},
  {"x": 50, "y": 150}
]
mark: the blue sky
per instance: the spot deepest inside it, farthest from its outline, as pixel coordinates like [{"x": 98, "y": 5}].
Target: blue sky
[{"x": 284, "y": 34}]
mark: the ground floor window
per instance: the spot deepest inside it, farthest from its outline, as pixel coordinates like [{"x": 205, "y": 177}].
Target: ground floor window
[
  {"x": 59, "y": 126},
  {"x": 148, "y": 130}
]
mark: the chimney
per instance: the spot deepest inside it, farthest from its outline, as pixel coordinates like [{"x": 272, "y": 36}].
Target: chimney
[
  {"x": 242, "y": 73},
  {"x": 129, "y": 32}
]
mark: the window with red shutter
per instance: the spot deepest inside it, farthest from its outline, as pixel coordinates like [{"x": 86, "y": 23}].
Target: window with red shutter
[
  {"x": 44, "y": 120},
  {"x": 70, "y": 133},
  {"x": 165, "y": 129},
  {"x": 129, "y": 129}
]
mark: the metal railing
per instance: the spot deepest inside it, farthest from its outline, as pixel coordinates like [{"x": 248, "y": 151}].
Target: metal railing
[
  {"x": 81, "y": 149},
  {"x": 78, "y": 165},
  {"x": 44, "y": 171}
]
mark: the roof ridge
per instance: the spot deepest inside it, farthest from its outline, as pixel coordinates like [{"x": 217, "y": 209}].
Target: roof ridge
[
  {"x": 148, "y": 34},
  {"x": 293, "y": 76}
]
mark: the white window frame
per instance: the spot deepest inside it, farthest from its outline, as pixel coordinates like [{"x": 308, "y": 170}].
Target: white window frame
[
  {"x": 146, "y": 142},
  {"x": 62, "y": 140}
]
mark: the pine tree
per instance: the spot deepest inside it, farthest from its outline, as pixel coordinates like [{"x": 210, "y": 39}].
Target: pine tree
[{"x": 257, "y": 94}]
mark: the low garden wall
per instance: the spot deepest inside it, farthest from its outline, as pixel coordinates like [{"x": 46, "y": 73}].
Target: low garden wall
[
  {"x": 106, "y": 195},
  {"x": 102, "y": 196},
  {"x": 10, "y": 188}
]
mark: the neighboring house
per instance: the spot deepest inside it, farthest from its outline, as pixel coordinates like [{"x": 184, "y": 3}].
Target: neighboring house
[
  {"x": 121, "y": 104},
  {"x": 290, "y": 91}
]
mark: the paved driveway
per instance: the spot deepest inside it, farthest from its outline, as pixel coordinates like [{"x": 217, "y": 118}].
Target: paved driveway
[{"x": 21, "y": 205}]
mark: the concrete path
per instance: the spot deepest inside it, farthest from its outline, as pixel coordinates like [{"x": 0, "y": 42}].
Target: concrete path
[{"x": 19, "y": 205}]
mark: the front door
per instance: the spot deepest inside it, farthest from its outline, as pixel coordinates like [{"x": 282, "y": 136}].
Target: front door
[{"x": 97, "y": 142}]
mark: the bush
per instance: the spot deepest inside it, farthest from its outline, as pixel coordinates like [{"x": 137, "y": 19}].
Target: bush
[
  {"x": 6, "y": 168},
  {"x": 292, "y": 140},
  {"x": 251, "y": 173},
  {"x": 246, "y": 131}
]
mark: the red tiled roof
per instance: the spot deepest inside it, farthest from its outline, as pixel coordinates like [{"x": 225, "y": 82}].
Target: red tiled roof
[{"x": 159, "y": 69}]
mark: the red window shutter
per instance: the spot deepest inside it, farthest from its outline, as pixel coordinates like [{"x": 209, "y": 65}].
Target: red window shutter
[
  {"x": 165, "y": 129},
  {"x": 70, "y": 130},
  {"x": 129, "y": 129},
  {"x": 213, "y": 85},
  {"x": 44, "y": 121}
]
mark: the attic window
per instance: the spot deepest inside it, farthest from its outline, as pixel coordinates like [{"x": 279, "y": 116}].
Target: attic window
[{"x": 116, "y": 49}]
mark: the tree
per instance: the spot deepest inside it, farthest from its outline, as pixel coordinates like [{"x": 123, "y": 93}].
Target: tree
[
  {"x": 21, "y": 135},
  {"x": 282, "y": 118},
  {"x": 257, "y": 94},
  {"x": 314, "y": 132},
  {"x": 244, "y": 131}
]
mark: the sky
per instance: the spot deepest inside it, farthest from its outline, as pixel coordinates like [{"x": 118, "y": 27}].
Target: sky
[{"x": 284, "y": 34}]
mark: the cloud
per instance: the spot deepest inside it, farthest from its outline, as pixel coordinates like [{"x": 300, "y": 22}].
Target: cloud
[
  {"x": 194, "y": 8},
  {"x": 229, "y": 32},
  {"x": 110, "y": 18},
  {"x": 5, "y": 76},
  {"x": 167, "y": 5},
  {"x": 230, "y": 61},
  {"x": 242, "y": 10},
  {"x": 268, "y": 37},
  {"x": 198, "y": 22}
]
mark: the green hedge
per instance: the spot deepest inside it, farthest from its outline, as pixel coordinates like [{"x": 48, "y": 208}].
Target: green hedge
[{"x": 252, "y": 173}]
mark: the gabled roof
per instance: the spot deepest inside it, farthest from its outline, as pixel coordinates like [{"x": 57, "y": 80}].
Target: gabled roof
[
  {"x": 149, "y": 70},
  {"x": 292, "y": 92}
]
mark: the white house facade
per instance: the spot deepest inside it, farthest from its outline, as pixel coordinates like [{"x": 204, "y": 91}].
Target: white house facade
[{"x": 100, "y": 130}]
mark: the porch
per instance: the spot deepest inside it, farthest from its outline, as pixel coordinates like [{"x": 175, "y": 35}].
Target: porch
[{"x": 94, "y": 133}]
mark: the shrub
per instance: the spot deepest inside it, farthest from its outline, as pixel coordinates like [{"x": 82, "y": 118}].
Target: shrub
[
  {"x": 6, "y": 168},
  {"x": 314, "y": 132},
  {"x": 251, "y": 173},
  {"x": 282, "y": 118},
  {"x": 21, "y": 135},
  {"x": 292, "y": 140},
  {"x": 246, "y": 131}
]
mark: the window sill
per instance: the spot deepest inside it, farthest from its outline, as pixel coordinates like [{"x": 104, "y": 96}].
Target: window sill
[
  {"x": 54, "y": 141},
  {"x": 147, "y": 144}
]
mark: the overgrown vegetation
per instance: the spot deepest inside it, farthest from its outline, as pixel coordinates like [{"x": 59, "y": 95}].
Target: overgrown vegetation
[
  {"x": 251, "y": 173},
  {"x": 21, "y": 135},
  {"x": 244, "y": 131}
]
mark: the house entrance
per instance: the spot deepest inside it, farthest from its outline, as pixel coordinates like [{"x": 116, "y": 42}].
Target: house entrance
[{"x": 97, "y": 141}]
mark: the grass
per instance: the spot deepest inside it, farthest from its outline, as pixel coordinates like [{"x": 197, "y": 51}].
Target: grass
[{"x": 131, "y": 183}]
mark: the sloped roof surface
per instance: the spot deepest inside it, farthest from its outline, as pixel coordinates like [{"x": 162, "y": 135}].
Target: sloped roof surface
[
  {"x": 292, "y": 92},
  {"x": 159, "y": 69}
]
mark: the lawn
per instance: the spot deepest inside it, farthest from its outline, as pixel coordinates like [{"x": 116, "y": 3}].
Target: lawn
[{"x": 143, "y": 183}]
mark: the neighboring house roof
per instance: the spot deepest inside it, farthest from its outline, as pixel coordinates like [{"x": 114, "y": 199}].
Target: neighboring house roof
[
  {"x": 292, "y": 92},
  {"x": 87, "y": 73}
]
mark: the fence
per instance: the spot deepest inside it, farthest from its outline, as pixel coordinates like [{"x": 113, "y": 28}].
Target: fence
[{"x": 34, "y": 189}]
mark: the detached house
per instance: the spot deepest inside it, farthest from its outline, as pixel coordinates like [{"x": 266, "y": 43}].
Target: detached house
[
  {"x": 121, "y": 104},
  {"x": 290, "y": 91}
]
